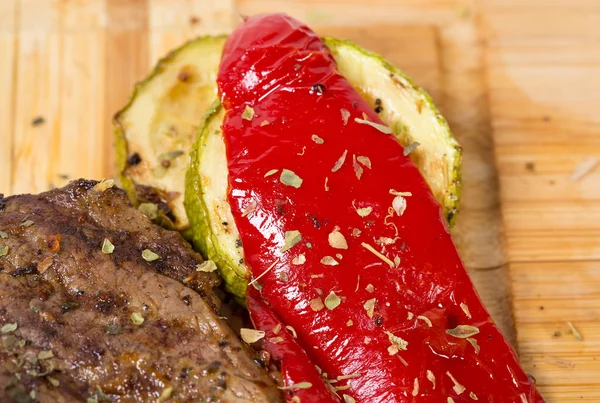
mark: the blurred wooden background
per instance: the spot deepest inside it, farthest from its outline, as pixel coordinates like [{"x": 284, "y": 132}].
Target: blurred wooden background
[{"x": 519, "y": 81}]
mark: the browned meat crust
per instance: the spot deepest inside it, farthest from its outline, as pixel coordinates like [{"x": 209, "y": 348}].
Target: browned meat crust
[{"x": 70, "y": 314}]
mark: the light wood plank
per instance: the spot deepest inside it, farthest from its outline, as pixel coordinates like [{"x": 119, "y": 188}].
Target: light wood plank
[
  {"x": 8, "y": 68},
  {"x": 77, "y": 61},
  {"x": 39, "y": 86},
  {"x": 544, "y": 97},
  {"x": 172, "y": 23},
  {"x": 556, "y": 279},
  {"x": 549, "y": 230},
  {"x": 82, "y": 129},
  {"x": 414, "y": 49},
  {"x": 127, "y": 62},
  {"x": 465, "y": 105},
  {"x": 317, "y": 13},
  {"x": 526, "y": 20}
]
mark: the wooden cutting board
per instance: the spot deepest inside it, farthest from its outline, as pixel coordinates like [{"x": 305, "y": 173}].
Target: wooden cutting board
[{"x": 518, "y": 80}]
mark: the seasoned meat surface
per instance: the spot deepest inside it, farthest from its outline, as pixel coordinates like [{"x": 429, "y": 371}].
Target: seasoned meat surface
[{"x": 79, "y": 322}]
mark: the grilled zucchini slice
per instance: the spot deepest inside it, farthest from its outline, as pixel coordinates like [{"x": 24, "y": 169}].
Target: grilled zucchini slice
[{"x": 155, "y": 130}]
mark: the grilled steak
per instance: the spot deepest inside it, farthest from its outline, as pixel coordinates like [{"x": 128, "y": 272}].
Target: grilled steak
[{"x": 81, "y": 321}]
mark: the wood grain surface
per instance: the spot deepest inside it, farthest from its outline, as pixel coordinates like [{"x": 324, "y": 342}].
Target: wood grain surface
[{"x": 518, "y": 80}]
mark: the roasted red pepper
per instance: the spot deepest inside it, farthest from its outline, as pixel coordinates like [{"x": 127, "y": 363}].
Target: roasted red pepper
[
  {"x": 347, "y": 242},
  {"x": 301, "y": 378}
]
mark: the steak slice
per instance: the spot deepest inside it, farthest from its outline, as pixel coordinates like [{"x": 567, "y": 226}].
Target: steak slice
[{"x": 80, "y": 324}]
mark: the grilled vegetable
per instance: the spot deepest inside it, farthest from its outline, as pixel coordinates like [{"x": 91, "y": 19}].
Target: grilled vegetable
[
  {"x": 410, "y": 112},
  {"x": 403, "y": 106},
  {"x": 213, "y": 231},
  {"x": 343, "y": 237},
  {"x": 301, "y": 377},
  {"x": 155, "y": 130}
]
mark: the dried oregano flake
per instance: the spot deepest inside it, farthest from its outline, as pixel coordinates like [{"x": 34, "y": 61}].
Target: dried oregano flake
[
  {"x": 299, "y": 260},
  {"x": 349, "y": 376},
  {"x": 369, "y": 306},
  {"x": 382, "y": 128},
  {"x": 410, "y": 148},
  {"x": 8, "y": 328},
  {"x": 345, "y": 115},
  {"x": 338, "y": 164},
  {"x": 332, "y": 301},
  {"x": 53, "y": 381},
  {"x": 316, "y": 304},
  {"x": 463, "y": 331},
  {"x": 251, "y": 335},
  {"x": 397, "y": 193},
  {"x": 364, "y": 160},
  {"x": 397, "y": 343},
  {"x": 149, "y": 256},
  {"x": 103, "y": 185},
  {"x": 362, "y": 211},
  {"x": 300, "y": 385},
  {"x": 348, "y": 399},
  {"x": 337, "y": 240},
  {"x": 317, "y": 139},
  {"x": 137, "y": 318},
  {"x": 289, "y": 178},
  {"x": 329, "y": 261},
  {"x": 150, "y": 210},
  {"x": 465, "y": 309},
  {"x": 208, "y": 266},
  {"x": 248, "y": 113},
  {"x": 291, "y": 239},
  {"x": 107, "y": 247},
  {"x": 458, "y": 388},
  {"x": 165, "y": 394},
  {"x": 431, "y": 378},
  {"x": 250, "y": 208},
  {"x": 399, "y": 205},
  {"x": 474, "y": 344},
  {"x": 415, "y": 390},
  {"x": 358, "y": 171}
]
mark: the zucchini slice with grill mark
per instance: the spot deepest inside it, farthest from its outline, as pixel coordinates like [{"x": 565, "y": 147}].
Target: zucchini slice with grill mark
[{"x": 155, "y": 130}]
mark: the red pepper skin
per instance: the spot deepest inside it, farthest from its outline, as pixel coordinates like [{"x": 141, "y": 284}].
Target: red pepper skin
[
  {"x": 295, "y": 365},
  {"x": 281, "y": 69}
]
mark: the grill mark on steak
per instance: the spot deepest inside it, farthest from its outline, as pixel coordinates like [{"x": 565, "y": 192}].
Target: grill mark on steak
[{"x": 72, "y": 305}]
